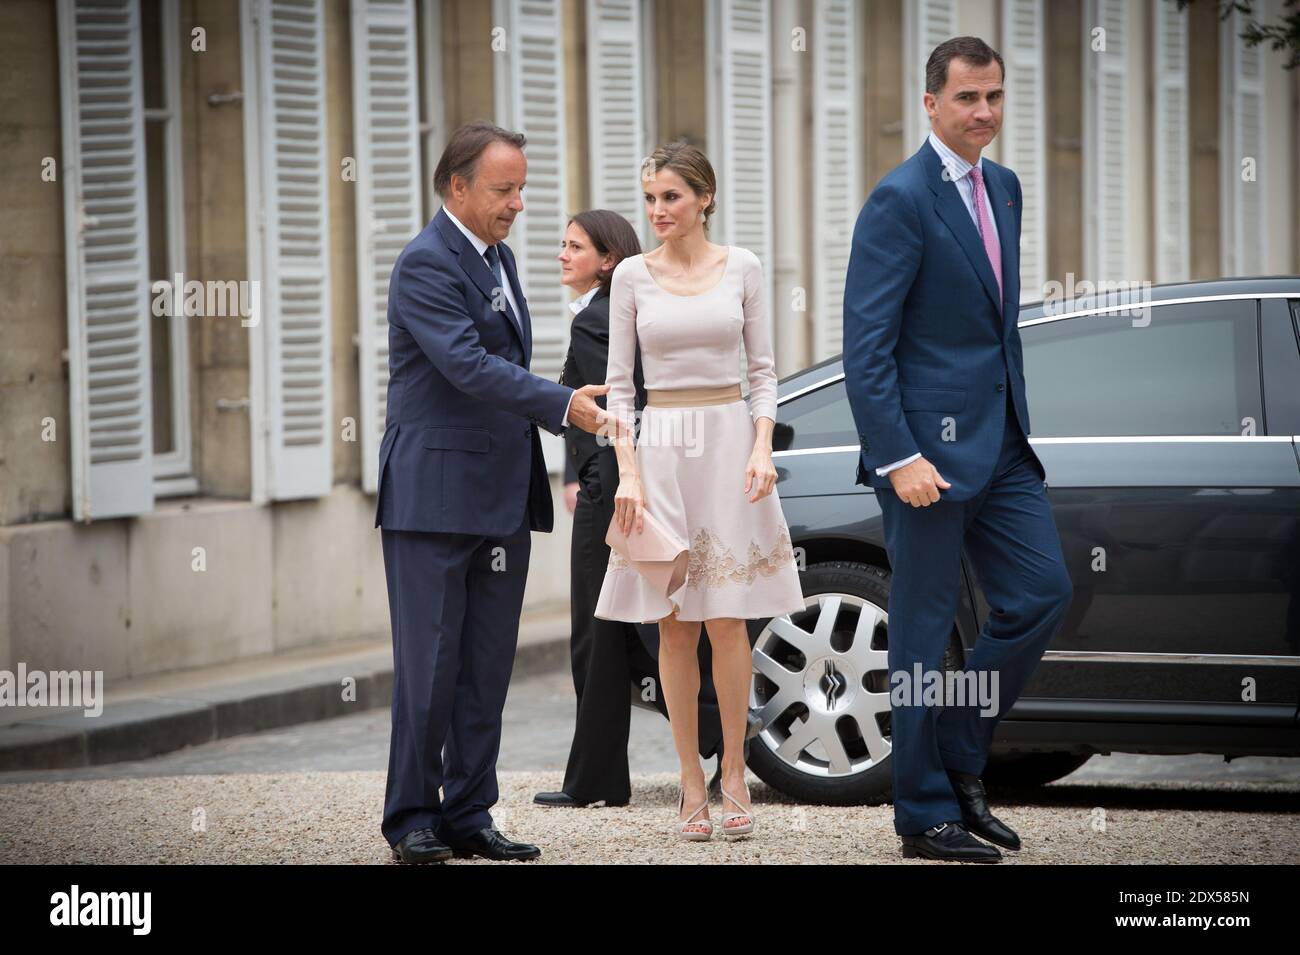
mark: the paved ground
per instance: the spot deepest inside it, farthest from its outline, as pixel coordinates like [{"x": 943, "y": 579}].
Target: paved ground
[{"x": 312, "y": 793}]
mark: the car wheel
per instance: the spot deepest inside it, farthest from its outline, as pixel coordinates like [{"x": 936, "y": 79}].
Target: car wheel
[
  {"x": 821, "y": 689},
  {"x": 1024, "y": 770}
]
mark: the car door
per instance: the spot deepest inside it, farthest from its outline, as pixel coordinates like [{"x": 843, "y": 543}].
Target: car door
[{"x": 1178, "y": 511}]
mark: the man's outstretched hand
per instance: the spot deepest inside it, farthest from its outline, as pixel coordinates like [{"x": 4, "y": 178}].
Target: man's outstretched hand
[
  {"x": 917, "y": 483},
  {"x": 584, "y": 413}
]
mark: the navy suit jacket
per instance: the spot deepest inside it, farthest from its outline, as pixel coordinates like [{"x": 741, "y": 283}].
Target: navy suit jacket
[
  {"x": 460, "y": 452},
  {"x": 930, "y": 347}
]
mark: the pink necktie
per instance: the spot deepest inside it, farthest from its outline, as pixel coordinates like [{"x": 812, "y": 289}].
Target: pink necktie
[{"x": 991, "y": 248}]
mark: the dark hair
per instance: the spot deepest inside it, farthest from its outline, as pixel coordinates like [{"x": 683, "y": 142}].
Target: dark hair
[
  {"x": 611, "y": 234},
  {"x": 464, "y": 149},
  {"x": 968, "y": 48},
  {"x": 692, "y": 165}
]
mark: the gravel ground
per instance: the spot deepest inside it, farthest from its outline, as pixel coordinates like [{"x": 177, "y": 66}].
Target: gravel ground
[{"x": 333, "y": 817}]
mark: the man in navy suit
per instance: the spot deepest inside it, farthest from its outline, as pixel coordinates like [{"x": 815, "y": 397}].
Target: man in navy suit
[
  {"x": 932, "y": 363},
  {"x": 462, "y": 484}
]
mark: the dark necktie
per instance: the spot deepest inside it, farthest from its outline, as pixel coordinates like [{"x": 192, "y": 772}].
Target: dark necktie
[{"x": 494, "y": 263}]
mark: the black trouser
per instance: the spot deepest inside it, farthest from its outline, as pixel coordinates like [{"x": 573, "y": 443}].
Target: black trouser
[{"x": 611, "y": 660}]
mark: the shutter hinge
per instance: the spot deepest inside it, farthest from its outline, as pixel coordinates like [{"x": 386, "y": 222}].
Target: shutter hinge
[{"x": 221, "y": 99}]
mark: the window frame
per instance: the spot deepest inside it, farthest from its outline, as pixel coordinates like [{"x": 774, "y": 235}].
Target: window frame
[{"x": 173, "y": 471}]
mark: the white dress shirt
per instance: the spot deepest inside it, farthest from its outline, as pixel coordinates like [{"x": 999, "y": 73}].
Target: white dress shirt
[
  {"x": 958, "y": 170},
  {"x": 583, "y": 300},
  {"x": 481, "y": 247}
]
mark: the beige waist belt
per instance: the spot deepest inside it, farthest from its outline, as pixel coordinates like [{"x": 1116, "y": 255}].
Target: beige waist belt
[{"x": 691, "y": 397}]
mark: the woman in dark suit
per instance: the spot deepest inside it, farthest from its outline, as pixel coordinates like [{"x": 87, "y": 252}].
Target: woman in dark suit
[{"x": 610, "y": 659}]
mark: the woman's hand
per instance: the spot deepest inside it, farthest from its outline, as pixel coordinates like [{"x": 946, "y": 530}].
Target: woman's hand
[
  {"x": 760, "y": 475},
  {"x": 629, "y": 504}
]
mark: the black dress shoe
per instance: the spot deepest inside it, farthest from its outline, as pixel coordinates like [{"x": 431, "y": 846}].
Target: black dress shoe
[
  {"x": 490, "y": 844},
  {"x": 562, "y": 798},
  {"x": 975, "y": 813},
  {"x": 419, "y": 847},
  {"x": 948, "y": 842}
]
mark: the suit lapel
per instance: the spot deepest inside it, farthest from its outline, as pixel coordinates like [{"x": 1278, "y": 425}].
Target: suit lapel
[
  {"x": 476, "y": 268},
  {"x": 525, "y": 320},
  {"x": 949, "y": 207}
]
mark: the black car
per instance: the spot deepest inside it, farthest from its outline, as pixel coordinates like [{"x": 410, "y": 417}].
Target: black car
[{"x": 1170, "y": 437}]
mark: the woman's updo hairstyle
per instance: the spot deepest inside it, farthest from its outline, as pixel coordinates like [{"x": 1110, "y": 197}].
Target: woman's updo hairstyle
[{"x": 692, "y": 165}]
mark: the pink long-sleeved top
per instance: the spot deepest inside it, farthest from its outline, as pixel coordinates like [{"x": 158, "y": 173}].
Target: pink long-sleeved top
[{"x": 690, "y": 341}]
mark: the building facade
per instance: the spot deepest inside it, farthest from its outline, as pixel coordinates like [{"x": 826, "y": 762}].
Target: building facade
[{"x": 205, "y": 198}]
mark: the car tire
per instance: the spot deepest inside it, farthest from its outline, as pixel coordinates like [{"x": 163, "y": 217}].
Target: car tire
[{"x": 853, "y": 589}]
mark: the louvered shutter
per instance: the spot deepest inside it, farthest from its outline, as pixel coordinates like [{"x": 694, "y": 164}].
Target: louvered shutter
[
  {"x": 109, "y": 299},
  {"x": 291, "y": 342},
  {"x": 530, "y": 99},
  {"x": 740, "y": 133},
  {"x": 1024, "y": 132},
  {"x": 740, "y": 126},
  {"x": 1241, "y": 127},
  {"x": 837, "y": 164},
  {"x": 615, "y": 108},
  {"x": 926, "y": 24},
  {"x": 1172, "y": 155},
  {"x": 1106, "y": 162},
  {"x": 385, "y": 99}
]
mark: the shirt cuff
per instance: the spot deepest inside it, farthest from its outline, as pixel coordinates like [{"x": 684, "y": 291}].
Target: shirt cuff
[
  {"x": 565, "y": 422},
  {"x": 897, "y": 464}
]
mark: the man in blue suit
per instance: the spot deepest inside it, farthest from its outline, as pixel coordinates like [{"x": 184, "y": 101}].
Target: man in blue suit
[
  {"x": 933, "y": 367},
  {"x": 462, "y": 484}
]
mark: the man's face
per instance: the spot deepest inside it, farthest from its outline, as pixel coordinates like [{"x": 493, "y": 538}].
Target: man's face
[
  {"x": 967, "y": 113},
  {"x": 488, "y": 204}
]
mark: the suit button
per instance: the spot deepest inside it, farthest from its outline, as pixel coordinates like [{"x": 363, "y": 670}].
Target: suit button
[{"x": 1001, "y": 387}]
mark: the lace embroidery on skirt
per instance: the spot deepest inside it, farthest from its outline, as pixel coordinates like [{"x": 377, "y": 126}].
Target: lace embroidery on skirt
[{"x": 711, "y": 564}]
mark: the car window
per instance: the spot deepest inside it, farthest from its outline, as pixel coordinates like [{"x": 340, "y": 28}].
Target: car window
[
  {"x": 819, "y": 419},
  {"x": 1181, "y": 369}
]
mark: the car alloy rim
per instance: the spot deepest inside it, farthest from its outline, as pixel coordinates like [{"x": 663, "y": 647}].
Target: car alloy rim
[{"x": 821, "y": 686}]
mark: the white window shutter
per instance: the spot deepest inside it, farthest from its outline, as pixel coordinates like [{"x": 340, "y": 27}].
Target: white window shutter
[
  {"x": 740, "y": 125},
  {"x": 529, "y": 83},
  {"x": 108, "y": 302},
  {"x": 1172, "y": 153},
  {"x": 288, "y": 169},
  {"x": 837, "y": 166},
  {"x": 1105, "y": 159},
  {"x": 616, "y": 109},
  {"x": 739, "y": 107},
  {"x": 385, "y": 108},
  {"x": 926, "y": 24},
  {"x": 1241, "y": 129},
  {"x": 1024, "y": 131}
]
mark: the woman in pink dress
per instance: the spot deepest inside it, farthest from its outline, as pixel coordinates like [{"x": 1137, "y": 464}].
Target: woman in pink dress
[{"x": 700, "y": 469}]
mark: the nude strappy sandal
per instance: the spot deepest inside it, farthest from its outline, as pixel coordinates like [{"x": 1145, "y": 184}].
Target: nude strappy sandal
[
  {"x": 741, "y": 829},
  {"x": 692, "y": 835}
]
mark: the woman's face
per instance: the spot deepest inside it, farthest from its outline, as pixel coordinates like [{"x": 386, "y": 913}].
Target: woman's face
[
  {"x": 580, "y": 263},
  {"x": 673, "y": 208}
]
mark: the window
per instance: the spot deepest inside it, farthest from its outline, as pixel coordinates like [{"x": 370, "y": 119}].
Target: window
[
  {"x": 1180, "y": 370},
  {"x": 819, "y": 419},
  {"x": 169, "y": 337}
]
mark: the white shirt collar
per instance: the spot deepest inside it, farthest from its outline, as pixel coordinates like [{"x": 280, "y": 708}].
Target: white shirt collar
[
  {"x": 478, "y": 243},
  {"x": 583, "y": 300},
  {"x": 957, "y": 166}
]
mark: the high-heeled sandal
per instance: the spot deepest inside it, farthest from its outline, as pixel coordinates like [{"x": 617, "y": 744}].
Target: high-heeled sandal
[
  {"x": 692, "y": 835},
  {"x": 740, "y": 829}
]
